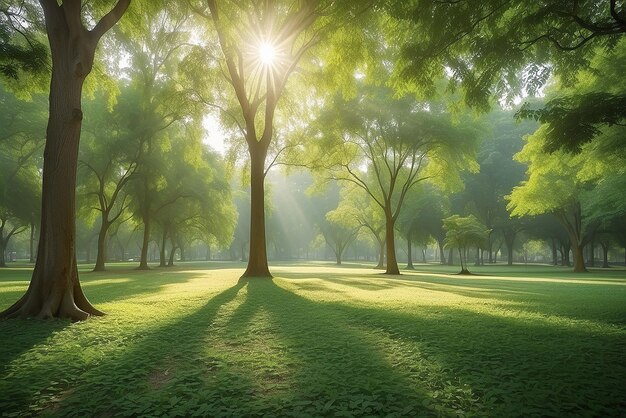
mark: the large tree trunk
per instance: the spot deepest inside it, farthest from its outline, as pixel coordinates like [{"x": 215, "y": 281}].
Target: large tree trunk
[
  {"x": 392, "y": 262},
  {"x": 102, "y": 247},
  {"x": 54, "y": 289},
  {"x": 257, "y": 259}
]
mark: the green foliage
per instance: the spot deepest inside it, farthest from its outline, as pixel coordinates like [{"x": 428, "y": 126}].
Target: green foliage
[
  {"x": 495, "y": 48},
  {"x": 593, "y": 108},
  {"x": 23, "y": 52},
  {"x": 322, "y": 341},
  {"x": 463, "y": 233}
]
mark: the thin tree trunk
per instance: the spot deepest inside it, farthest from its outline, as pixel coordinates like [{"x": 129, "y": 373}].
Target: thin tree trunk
[
  {"x": 162, "y": 262},
  {"x": 605, "y": 255},
  {"x": 170, "y": 261},
  {"x": 392, "y": 262},
  {"x": 143, "y": 259},
  {"x": 579, "y": 259},
  {"x": 409, "y": 252},
  {"x": 555, "y": 260},
  {"x": 442, "y": 253},
  {"x": 591, "y": 262},
  {"x": 102, "y": 247}
]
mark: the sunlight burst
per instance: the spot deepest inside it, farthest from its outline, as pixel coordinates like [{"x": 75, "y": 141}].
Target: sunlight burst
[{"x": 267, "y": 53}]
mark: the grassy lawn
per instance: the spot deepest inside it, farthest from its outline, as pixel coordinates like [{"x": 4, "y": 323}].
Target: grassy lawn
[{"x": 324, "y": 341}]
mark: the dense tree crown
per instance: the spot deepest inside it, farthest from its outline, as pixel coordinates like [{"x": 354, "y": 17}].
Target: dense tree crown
[{"x": 406, "y": 120}]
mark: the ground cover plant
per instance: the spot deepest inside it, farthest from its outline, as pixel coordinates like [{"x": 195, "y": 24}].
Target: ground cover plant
[{"x": 323, "y": 341}]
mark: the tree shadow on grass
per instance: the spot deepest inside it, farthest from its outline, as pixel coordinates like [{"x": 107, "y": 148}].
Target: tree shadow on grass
[{"x": 261, "y": 349}]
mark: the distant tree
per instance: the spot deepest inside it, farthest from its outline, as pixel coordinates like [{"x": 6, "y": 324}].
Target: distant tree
[
  {"x": 340, "y": 230},
  {"x": 553, "y": 186},
  {"x": 462, "y": 233},
  {"x": 400, "y": 141}
]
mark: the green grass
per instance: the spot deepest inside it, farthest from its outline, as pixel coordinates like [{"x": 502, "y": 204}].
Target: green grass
[{"x": 324, "y": 341}]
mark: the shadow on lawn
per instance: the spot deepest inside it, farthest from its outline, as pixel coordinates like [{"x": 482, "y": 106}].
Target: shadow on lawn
[{"x": 260, "y": 349}]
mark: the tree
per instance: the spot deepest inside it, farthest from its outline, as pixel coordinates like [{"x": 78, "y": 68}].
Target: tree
[
  {"x": 54, "y": 290},
  {"x": 262, "y": 44},
  {"x": 422, "y": 218},
  {"x": 554, "y": 186},
  {"x": 485, "y": 191},
  {"x": 23, "y": 126},
  {"x": 340, "y": 230},
  {"x": 463, "y": 232},
  {"x": 109, "y": 158},
  {"x": 399, "y": 142},
  {"x": 500, "y": 48}
]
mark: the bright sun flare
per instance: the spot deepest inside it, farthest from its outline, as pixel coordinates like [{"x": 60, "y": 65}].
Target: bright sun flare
[{"x": 267, "y": 53}]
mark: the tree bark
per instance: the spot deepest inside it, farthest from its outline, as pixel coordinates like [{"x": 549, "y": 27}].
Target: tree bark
[
  {"x": 257, "y": 259},
  {"x": 392, "y": 262}
]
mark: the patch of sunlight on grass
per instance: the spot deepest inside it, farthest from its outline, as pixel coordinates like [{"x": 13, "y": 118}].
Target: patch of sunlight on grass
[{"x": 321, "y": 340}]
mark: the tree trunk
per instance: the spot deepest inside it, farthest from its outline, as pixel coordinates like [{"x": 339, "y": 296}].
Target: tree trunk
[
  {"x": 54, "y": 289},
  {"x": 257, "y": 259},
  {"x": 555, "y": 260},
  {"x": 605, "y": 255},
  {"x": 170, "y": 261},
  {"x": 392, "y": 262},
  {"x": 450, "y": 257},
  {"x": 579, "y": 259},
  {"x": 31, "y": 258},
  {"x": 162, "y": 262},
  {"x": 381, "y": 255},
  {"x": 143, "y": 259},
  {"x": 591, "y": 261},
  {"x": 442, "y": 253},
  {"x": 102, "y": 247},
  {"x": 338, "y": 256},
  {"x": 409, "y": 251}
]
